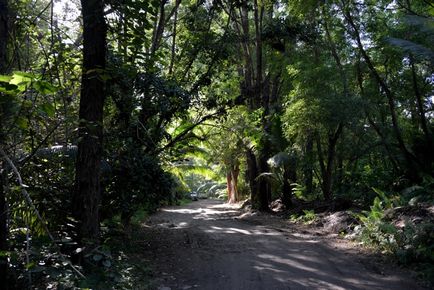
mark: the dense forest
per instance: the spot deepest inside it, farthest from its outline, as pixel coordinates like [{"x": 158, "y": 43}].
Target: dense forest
[{"x": 112, "y": 109}]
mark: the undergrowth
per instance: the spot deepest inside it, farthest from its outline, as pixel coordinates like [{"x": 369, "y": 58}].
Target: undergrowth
[
  {"x": 387, "y": 229},
  {"x": 308, "y": 217}
]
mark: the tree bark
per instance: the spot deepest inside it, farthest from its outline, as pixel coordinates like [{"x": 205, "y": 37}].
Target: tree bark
[
  {"x": 252, "y": 89},
  {"x": 252, "y": 173},
  {"x": 234, "y": 173},
  {"x": 308, "y": 170},
  {"x": 289, "y": 176},
  {"x": 232, "y": 184},
  {"x": 86, "y": 199},
  {"x": 4, "y": 247},
  {"x": 4, "y": 15},
  {"x": 173, "y": 47},
  {"x": 229, "y": 186},
  {"x": 159, "y": 29},
  {"x": 263, "y": 183},
  {"x": 421, "y": 110},
  {"x": 327, "y": 168}
]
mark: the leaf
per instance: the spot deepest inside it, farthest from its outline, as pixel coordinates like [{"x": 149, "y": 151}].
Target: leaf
[
  {"x": 22, "y": 123},
  {"x": 8, "y": 88},
  {"x": 5, "y": 79},
  {"x": 21, "y": 79},
  {"x": 23, "y": 74},
  {"x": 30, "y": 265},
  {"x": 44, "y": 87},
  {"x": 4, "y": 253},
  {"x": 48, "y": 109}
]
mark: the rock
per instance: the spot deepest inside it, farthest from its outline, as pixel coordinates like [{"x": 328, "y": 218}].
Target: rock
[
  {"x": 277, "y": 205},
  {"x": 338, "y": 222},
  {"x": 246, "y": 205}
]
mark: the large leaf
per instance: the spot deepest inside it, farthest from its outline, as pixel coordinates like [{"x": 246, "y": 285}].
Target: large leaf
[
  {"x": 44, "y": 87},
  {"x": 48, "y": 109}
]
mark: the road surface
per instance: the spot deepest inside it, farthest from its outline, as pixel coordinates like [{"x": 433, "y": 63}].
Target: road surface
[{"x": 208, "y": 245}]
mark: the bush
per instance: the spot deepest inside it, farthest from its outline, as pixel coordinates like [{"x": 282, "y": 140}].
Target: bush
[
  {"x": 136, "y": 181},
  {"x": 403, "y": 231}
]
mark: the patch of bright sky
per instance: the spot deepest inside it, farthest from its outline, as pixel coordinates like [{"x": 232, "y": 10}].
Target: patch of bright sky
[{"x": 67, "y": 15}]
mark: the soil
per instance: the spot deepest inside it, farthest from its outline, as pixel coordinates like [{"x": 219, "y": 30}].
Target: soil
[{"x": 208, "y": 244}]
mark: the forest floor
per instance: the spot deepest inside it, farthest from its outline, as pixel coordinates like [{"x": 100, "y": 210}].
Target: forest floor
[{"x": 208, "y": 244}]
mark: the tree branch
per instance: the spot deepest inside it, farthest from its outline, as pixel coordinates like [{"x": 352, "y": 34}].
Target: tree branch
[{"x": 36, "y": 211}]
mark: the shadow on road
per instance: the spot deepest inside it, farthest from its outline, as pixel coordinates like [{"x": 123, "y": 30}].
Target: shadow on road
[{"x": 205, "y": 245}]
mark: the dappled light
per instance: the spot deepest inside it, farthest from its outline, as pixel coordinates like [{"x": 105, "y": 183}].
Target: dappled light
[
  {"x": 216, "y": 144},
  {"x": 240, "y": 231},
  {"x": 245, "y": 253}
]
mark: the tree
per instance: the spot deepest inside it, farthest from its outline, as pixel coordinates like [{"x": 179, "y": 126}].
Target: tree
[
  {"x": 87, "y": 197},
  {"x": 4, "y": 18}
]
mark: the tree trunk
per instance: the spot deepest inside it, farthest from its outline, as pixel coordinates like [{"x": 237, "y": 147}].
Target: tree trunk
[
  {"x": 159, "y": 29},
  {"x": 86, "y": 199},
  {"x": 4, "y": 14},
  {"x": 286, "y": 189},
  {"x": 173, "y": 47},
  {"x": 229, "y": 187},
  {"x": 308, "y": 159},
  {"x": 421, "y": 110},
  {"x": 377, "y": 130},
  {"x": 263, "y": 183},
  {"x": 289, "y": 176},
  {"x": 4, "y": 247},
  {"x": 331, "y": 153},
  {"x": 232, "y": 184},
  {"x": 252, "y": 173},
  {"x": 327, "y": 168},
  {"x": 411, "y": 160},
  {"x": 234, "y": 175}
]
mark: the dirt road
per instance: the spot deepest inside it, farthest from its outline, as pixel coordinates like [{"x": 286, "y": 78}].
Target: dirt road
[{"x": 206, "y": 245}]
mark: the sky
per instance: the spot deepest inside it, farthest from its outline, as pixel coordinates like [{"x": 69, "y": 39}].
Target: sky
[{"x": 66, "y": 13}]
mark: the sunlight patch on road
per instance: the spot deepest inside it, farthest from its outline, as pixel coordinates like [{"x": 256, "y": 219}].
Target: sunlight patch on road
[
  {"x": 292, "y": 263},
  {"x": 231, "y": 230},
  {"x": 204, "y": 211},
  {"x": 228, "y": 230},
  {"x": 182, "y": 210},
  {"x": 319, "y": 284},
  {"x": 306, "y": 236}
]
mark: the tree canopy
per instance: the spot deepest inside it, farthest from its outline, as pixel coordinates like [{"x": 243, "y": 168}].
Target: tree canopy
[{"x": 112, "y": 108}]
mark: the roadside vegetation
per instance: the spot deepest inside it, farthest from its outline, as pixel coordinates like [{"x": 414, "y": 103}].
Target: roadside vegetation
[{"x": 110, "y": 110}]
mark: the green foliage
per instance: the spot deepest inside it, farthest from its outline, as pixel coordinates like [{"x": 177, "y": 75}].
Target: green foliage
[
  {"x": 308, "y": 217},
  {"x": 375, "y": 231},
  {"x": 19, "y": 82},
  {"x": 50, "y": 177},
  {"x": 420, "y": 41},
  {"x": 135, "y": 182},
  {"x": 182, "y": 107},
  {"x": 299, "y": 191},
  {"x": 410, "y": 243}
]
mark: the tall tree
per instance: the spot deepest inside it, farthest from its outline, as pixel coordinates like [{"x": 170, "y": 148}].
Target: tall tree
[
  {"x": 86, "y": 200},
  {"x": 248, "y": 21},
  {"x": 3, "y": 174},
  {"x": 3, "y": 34}
]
